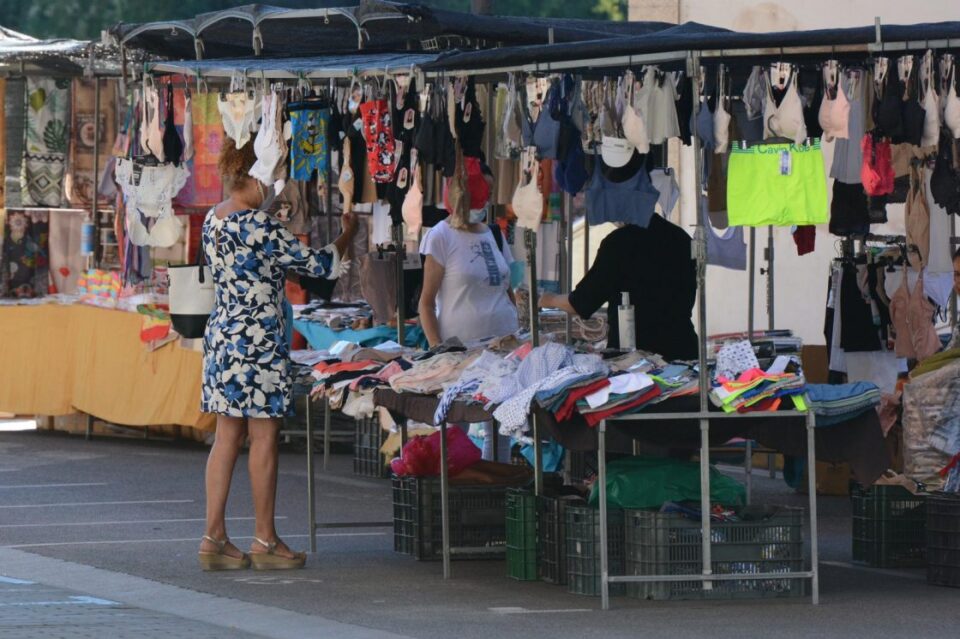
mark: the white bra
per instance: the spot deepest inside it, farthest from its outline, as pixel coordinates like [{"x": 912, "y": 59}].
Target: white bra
[
  {"x": 951, "y": 103},
  {"x": 151, "y": 135},
  {"x": 267, "y": 146},
  {"x": 236, "y": 110},
  {"x": 721, "y": 117},
  {"x": 930, "y": 102},
  {"x": 786, "y": 120},
  {"x": 187, "y": 127},
  {"x": 527, "y": 200}
]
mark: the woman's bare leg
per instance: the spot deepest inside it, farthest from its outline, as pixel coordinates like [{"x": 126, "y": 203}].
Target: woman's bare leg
[
  {"x": 230, "y": 436},
  {"x": 263, "y": 482}
]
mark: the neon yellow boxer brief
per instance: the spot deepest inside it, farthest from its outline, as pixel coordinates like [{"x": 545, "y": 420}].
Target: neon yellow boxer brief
[{"x": 776, "y": 184}]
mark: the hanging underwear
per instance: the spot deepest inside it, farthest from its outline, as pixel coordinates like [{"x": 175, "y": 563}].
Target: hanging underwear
[
  {"x": 378, "y": 133},
  {"x": 236, "y": 111},
  {"x": 308, "y": 141}
]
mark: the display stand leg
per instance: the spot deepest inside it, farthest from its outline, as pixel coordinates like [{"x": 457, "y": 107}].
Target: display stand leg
[
  {"x": 604, "y": 548},
  {"x": 89, "y": 434},
  {"x": 748, "y": 469},
  {"x": 812, "y": 489},
  {"x": 752, "y": 290},
  {"x": 327, "y": 417},
  {"x": 537, "y": 457},
  {"x": 705, "y": 523},
  {"x": 311, "y": 495},
  {"x": 445, "y": 500}
]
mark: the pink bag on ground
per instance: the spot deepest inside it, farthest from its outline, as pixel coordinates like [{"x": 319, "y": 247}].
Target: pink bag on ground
[{"x": 421, "y": 455}]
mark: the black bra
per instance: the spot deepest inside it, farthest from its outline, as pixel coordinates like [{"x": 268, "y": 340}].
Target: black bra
[{"x": 888, "y": 108}]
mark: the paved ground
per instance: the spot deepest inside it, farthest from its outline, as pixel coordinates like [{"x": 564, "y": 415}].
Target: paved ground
[{"x": 106, "y": 532}]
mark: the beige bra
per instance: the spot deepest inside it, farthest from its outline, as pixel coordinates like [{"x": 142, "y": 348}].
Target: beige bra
[{"x": 834, "y": 116}]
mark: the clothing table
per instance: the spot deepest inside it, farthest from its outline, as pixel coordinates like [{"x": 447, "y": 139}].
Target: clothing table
[
  {"x": 322, "y": 337},
  {"x": 59, "y": 360}
]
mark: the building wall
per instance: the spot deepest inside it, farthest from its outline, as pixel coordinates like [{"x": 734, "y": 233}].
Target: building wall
[{"x": 800, "y": 282}]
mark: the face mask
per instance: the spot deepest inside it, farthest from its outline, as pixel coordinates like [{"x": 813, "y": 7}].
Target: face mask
[{"x": 477, "y": 216}]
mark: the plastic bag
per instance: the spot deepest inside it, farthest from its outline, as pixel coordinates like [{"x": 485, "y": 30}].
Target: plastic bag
[
  {"x": 650, "y": 482},
  {"x": 421, "y": 455}
]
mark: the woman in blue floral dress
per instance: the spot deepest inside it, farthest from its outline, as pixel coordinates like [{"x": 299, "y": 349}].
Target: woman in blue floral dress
[{"x": 246, "y": 377}]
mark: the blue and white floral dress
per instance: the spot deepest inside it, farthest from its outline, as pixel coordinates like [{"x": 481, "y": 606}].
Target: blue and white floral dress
[{"x": 246, "y": 358}]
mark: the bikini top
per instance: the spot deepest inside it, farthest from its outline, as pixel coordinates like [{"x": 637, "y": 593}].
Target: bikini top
[
  {"x": 948, "y": 91},
  {"x": 786, "y": 119},
  {"x": 834, "y": 114}
]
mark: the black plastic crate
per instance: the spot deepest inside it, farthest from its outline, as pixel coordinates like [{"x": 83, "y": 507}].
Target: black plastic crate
[
  {"x": 368, "y": 438},
  {"x": 943, "y": 539},
  {"x": 670, "y": 544},
  {"x": 580, "y": 465},
  {"x": 477, "y": 519},
  {"x": 582, "y": 540},
  {"x": 889, "y": 527},
  {"x": 521, "y": 535},
  {"x": 551, "y": 534}
]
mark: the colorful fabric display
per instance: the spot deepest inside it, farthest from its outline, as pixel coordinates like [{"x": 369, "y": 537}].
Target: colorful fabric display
[{"x": 45, "y": 153}]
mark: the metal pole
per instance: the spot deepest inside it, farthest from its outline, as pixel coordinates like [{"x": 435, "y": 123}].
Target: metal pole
[
  {"x": 771, "y": 309},
  {"x": 604, "y": 549},
  {"x": 752, "y": 299},
  {"x": 98, "y": 244},
  {"x": 812, "y": 488},
  {"x": 700, "y": 254},
  {"x": 530, "y": 239},
  {"x": 748, "y": 469},
  {"x": 327, "y": 417},
  {"x": 586, "y": 245},
  {"x": 311, "y": 495},
  {"x": 445, "y": 500},
  {"x": 329, "y": 199},
  {"x": 401, "y": 253},
  {"x": 953, "y": 247}
]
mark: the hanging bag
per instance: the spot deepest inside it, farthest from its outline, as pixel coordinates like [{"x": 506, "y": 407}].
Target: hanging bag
[{"x": 191, "y": 296}]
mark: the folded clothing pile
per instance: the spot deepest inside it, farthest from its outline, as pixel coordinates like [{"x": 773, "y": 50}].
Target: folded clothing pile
[
  {"x": 756, "y": 390},
  {"x": 835, "y": 403}
]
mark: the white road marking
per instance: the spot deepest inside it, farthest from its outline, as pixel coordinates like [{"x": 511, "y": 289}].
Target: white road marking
[
  {"x": 524, "y": 611},
  {"x": 75, "y": 600},
  {"x": 124, "y": 522},
  {"x": 101, "y": 503},
  {"x": 102, "y": 483},
  {"x": 158, "y": 541},
  {"x": 15, "y": 582}
]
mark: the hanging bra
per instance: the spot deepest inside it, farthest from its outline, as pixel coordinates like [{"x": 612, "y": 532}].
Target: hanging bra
[
  {"x": 527, "y": 200},
  {"x": 187, "y": 127},
  {"x": 632, "y": 201},
  {"x": 785, "y": 120},
  {"x": 546, "y": 131},
  {"x": 951, "y": 103},
  {"x": 945, "y": 180},
  {"x": 727, "y": 249},
  {"x": 656, "y": 102},
  {"x": 755, "y": 93},
  {"x": 914, "y": 115},
  {"x": 634, "y": 128},
  {"x": 151, "y": 135},
  {"x": 888, "y": 104},
  {"x": 912, "y": 316},
  {"x": 267, "y": 144},
  {"x": 722, "y": 117},
  {"x": 931, "y": 102},
  {"x": 834, "y": 114},
  {"x": 172, "y": 145}
]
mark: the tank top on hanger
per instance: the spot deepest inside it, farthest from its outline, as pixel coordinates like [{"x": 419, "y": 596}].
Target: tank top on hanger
[
  {"x": 912, "y": 316},
  {"x": 632, "y": 201},
  {"x": 847, "y": 152},
  {"x": 917, "y": 219},
  {"x": 657, "y": 100}
]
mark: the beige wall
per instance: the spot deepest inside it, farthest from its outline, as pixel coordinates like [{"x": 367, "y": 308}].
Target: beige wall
[{"x": 800, "y": 283}]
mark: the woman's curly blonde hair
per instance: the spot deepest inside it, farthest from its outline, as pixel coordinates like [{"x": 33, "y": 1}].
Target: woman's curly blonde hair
[{"x": 234, "y": 164}]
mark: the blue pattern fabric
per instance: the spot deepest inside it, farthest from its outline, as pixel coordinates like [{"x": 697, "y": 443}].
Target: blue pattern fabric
[{"x": 246, "y": 356}]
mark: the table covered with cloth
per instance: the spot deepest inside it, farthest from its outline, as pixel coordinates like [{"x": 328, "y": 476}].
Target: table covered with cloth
[
  {"x": 858, "y": 441},
  {"x": 62, "y": 359}
]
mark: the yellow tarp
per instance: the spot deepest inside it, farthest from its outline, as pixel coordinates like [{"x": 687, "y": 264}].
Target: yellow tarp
[{"x": 57, "y": 360}]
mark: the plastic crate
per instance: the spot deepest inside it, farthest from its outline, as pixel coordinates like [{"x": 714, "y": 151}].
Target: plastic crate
[
  {"x": 943, "y": 539},
  {"x": 580, "y": 465},
  {"x": 582, "y": 539},
  {"x": 368, "y": 438},
  {"x": 889, "y": 527},
  {"x": 521, "y": 535},
  {"x": 551, "y": 535},
  {"x": 477, "y": 519},
  {"x": 670, "y": 544}
]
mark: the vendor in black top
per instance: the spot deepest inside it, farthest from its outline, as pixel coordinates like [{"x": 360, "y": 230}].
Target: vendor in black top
[{"x": 655, "y": 265}]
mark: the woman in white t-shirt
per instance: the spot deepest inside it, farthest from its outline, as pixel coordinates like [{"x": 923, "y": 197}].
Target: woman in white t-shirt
[{"x": 466, "y": 275}]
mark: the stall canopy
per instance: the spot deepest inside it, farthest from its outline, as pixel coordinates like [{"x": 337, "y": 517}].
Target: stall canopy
[
  {"x": 370, "y": 25},
  {"x": 710, "y": 41},
  {"x": 331, "y": 66},
  {"x": 19, "y": 51}
]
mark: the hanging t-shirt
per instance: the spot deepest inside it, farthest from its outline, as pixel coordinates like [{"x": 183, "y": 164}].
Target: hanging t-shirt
[{"x": 472, "y": 302}]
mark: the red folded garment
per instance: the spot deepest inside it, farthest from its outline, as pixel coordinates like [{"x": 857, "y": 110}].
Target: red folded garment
[
  {"x": 595, "y": 418},
  {"x": 570, "y": 403}
]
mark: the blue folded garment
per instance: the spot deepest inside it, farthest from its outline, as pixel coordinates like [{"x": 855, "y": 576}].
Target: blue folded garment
[{"x": 837, "y": 392}]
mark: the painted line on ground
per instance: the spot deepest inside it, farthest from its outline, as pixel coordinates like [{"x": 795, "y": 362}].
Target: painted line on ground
[
  {"x": 74, "y": 600},
  {"x": 101, "y": 483},
  {"x": 185, "y": 539},
  {"x": 101, "y": 503},
  {"x": 125, "y": 522},
  {"x": 15, "y": 582},
  {"x": 509, "y": 610}
]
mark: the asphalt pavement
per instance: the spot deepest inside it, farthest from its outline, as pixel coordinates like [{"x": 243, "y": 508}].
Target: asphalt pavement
[{"x": 119, "y": 521}]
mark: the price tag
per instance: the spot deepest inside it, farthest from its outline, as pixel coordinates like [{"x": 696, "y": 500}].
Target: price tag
[{"x": 786, "y": 163}]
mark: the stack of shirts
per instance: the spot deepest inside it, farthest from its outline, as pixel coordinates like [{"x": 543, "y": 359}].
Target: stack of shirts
[
  {"x": 755, "y": 390},
  {"x": 335, "y": 316},
  {"x": 835, "y": 403}
]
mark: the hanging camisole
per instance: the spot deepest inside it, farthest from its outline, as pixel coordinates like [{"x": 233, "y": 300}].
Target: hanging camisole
[
  {"x": 187, "y": 128},
  {"x": 847, "y": 152},
  {"x": 912, "y": 316},
  {"x": 785, "y": 120},
  {"x": 721, "y": 123},
  {"x": 917, "y": 219},
  {"x": 632, "y": 201},
  {"x": 835, "y": 108},
  {"x": 657, "y": 101},
  {"x": 172, "y": 144}
]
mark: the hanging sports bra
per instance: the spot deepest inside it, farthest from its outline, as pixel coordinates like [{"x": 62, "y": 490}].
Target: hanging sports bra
[
  {"x": 721, "y": 115},
  {"x": 948, "y": 91},
  {"x": 785, "y": 120},
  {"x": 727, "y": 249},
  {"x": 834, "y": 114},
  {"x": 888, "y": 104},
  {"x": 931, "y": 102},
  {"x": 546, "y": 131},
  {"x": 632, "y": 201},
  {"x": 914, "y": 115}
]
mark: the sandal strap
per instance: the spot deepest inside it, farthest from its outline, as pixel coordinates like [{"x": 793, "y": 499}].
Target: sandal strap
[
  {"x": 219, "y": 543},
  {"x": 271, "y": 546}
]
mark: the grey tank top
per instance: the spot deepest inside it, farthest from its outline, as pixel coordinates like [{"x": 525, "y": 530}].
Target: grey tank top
[
  {"x": 847, "y": 155},
  {"x": 729, "y": 249}
]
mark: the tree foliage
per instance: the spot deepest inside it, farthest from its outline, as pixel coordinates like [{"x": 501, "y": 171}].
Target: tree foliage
[{"x": 85, "y": 19}]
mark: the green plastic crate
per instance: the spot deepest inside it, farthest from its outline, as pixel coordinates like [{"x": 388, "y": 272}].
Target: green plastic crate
[
  {"x": 367, "y": 440},
  {"x": 521, "y": 527},
  {"x": 551, "y": 536},
  {"x": 582, "y": 540},
  {"x": 670, "y": 544},
  {"x": 889, "y": 527},
  {"x": 943, "y": 539}
]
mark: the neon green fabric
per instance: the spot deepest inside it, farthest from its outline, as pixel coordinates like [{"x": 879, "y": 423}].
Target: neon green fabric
[{"x": 765, "y": 188}]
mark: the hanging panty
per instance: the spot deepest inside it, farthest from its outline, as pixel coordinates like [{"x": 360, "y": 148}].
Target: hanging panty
[
  {"x": 308, "y": 143},
  {"x": 378, "y": 135},
  {"x": 237, "y": 112}
]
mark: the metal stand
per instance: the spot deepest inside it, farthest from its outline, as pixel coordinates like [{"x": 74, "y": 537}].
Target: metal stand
[
  {"x": 530, "y": 238},
  {"x": 401, "y": 249}
]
